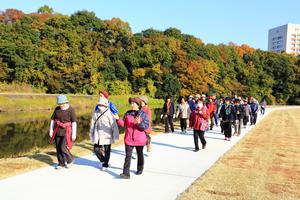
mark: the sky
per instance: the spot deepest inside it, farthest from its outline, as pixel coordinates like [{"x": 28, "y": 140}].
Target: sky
[{"x": 213, "y": 21}]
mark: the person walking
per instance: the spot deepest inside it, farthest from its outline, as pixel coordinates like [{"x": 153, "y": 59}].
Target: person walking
[
  {"x": 263, "y": 106},
  {"x": 239, "y": 113},
  {"x": 227, "y": 117},
  {"x": 199, "y": 123},
  {"x": 63, "y": 132},
  {"x": 247, "y": 113},
  {"x": 103, "y": 132},
  {"x": 183, "y": 113},
  {"x": 212, "y": 109},
  {"x": 254, "y": 110},
  {"x": 191, "y": 102},
  {"x": 169, "y": 111},
  {"x": 136, "y": 122},
  {"x": 145, "y": 107}
]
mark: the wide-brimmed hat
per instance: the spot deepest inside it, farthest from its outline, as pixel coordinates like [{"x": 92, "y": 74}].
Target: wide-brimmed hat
[
  {"x": 62, "y": 99},
  {"x": 102, "y": 102}
]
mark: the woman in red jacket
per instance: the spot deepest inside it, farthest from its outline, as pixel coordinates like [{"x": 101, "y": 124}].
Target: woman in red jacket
[
  {"x": 199, "y": 123},
  {"x": 136, "y": 122}
]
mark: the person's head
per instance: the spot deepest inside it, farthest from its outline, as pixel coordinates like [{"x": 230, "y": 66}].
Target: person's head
[
  {"x": 144, "y": 101},
  {"x": 135, "y": 103},
  {"x": 211, "y": 98},
  {"x": 221, "y": 100},
  {"x": 227, "y": 100},
  {"x": 191, "y": 97},
  {"x": 200, "y": 103},
  {"x": 62, "y": 101},
  {"x": 168, "y": 99},
  {"x": 102, "y": 103},
  {"x": 182, "y": 100},
  {"x": 237, "y": 101},
  {"x": 104, "y": 94},
  {"x": 198, "y": 96}
]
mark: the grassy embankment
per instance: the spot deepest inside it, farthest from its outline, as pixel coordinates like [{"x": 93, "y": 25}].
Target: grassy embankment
[
  {"x": 29, "y": 104},
  {"x": 264, "y": 165}
]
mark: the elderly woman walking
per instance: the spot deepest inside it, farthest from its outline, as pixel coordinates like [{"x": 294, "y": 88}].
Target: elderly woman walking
[
  {"x": 103, "y": 132},
  {"x": 183, "y": 113},
  {"x": 63, "y": 131},
  {"x": 136, "y": 122}
]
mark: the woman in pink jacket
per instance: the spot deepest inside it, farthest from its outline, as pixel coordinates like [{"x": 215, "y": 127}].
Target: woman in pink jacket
[{"x": 136, "y": 122}]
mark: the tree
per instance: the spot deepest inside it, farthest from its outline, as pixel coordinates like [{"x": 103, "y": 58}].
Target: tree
[{"x": 45, "y": 9}]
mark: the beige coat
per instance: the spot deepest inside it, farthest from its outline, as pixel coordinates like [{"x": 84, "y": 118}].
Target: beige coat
[
  {"x": 105, "y": 131},
  {"x": 183, "y": 111}
]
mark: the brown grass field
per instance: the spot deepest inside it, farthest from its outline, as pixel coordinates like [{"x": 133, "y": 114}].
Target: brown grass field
[{"x": 265, "y": 165}]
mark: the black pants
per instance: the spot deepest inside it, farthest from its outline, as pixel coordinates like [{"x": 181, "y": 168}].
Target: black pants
[
  {"x": 253, "y": 118},
  {"x": 199, "y": 134},
  {"x": 222, "y": 126},
  {"x": 140, "y": 155},
  {"x": 169, "y": 121},
  {"x": 183, "y": 124},
  {"x": 245, "y": 120},
  {"x": 211, "y": 122},
  {"x": 227, "y": 129},
  {"x": 63, "y": 154},
  {"x": 103, "y": 158},
  {"x": 262, "y": 110}
]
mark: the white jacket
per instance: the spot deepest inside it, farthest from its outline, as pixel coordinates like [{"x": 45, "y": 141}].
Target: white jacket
[{"x": 105, "y": 130}]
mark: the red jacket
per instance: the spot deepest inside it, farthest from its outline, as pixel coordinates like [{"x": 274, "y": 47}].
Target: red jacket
[
  {"x": 199, "y": 120},
  {"x": 212, "y": 108}
]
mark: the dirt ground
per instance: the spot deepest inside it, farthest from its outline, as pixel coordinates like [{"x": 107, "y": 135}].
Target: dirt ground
[{"x": 265, "y": 165}]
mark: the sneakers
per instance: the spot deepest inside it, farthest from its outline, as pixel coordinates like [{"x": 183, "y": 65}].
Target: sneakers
[
  {"x": 104, "y": 169},
  {"x": 139, "y": 172},
  {"x": 204, "y": 146},
  {"x": 58, "y": 167},
  {"x": 69, "y": 165},
  {"x": 196, "y": 150},
  {"x": 124, "y": 176}
]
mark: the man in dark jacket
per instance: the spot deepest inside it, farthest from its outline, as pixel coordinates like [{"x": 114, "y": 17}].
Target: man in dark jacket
[
  {"x": 239, "y": 113},
  {"x": 227, "y": 117},
  {"x": 169, "y": 111},
  {"x": 254, "y": 110}
]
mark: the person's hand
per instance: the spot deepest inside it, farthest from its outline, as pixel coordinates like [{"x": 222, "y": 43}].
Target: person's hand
[
  {"x": 116, "y": 116},
  {"x": 137, "y": 120}
]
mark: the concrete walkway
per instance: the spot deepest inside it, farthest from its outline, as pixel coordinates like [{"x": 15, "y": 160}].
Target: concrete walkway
[{"x": 169, "y": 170}]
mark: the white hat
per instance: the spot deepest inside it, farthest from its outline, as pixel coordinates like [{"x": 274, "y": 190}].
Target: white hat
[{"x": 103, "y": 102}]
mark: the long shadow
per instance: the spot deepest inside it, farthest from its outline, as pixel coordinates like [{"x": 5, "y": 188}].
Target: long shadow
[
  {"x": 119, "y": 152},
  {"x": 215, "y": 138},
  {"x": 173, "y": 146},
  {"x": 43, "y": 158}
]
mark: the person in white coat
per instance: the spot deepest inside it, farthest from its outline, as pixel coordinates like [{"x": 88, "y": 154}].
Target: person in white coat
[{"x": 103, "y": 132}]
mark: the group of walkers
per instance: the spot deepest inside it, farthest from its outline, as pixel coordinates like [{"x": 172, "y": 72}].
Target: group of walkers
[
  {"x": 202, "y": 113},
  {"x": 104, "y": 131},
  {"x": 196, "y": 113}
]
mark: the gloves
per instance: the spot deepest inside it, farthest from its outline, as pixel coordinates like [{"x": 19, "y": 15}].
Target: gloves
[
  {"x": 74, "y": 130},
  {"x": 51, "y": 128}
]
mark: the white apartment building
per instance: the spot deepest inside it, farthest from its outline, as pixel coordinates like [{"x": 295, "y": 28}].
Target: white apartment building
[{"x": 285, "y": 38}]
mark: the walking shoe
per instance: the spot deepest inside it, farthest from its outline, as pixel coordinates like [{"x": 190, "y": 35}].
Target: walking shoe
[
  {"x": 69, "y": 165},
  {"x": 225, "y": 138},
  {"x": 196, "y": 150},
  {"x": 104, "y": 169},
  {"x": 58, "y": 167},
  {"x": 139, "y": 172},
  {"x": 124, "y": 176},
  {"x": 203, "y": 146}
]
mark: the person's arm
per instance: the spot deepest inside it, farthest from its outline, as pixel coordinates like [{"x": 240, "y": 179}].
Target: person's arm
[
  {"x": 74, "y": 124},
  {"x": 113, "y": 108},
  {"x": 144, "y": 123},
  {"x": 51, "y": 128}
]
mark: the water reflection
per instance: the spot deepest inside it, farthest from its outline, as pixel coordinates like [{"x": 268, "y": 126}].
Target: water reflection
[{"x": 20, "y": 134}]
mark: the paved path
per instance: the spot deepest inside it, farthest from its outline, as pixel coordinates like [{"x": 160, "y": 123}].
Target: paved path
[{"x": 169, "y": 170}]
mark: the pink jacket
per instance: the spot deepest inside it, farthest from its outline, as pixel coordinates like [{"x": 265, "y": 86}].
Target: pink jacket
[
  {"x": 199, "y": 121},
  {"x": 135, "y": 133}
]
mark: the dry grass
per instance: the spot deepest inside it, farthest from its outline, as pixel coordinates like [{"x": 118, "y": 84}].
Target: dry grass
[{"x": 264, "y": 165}]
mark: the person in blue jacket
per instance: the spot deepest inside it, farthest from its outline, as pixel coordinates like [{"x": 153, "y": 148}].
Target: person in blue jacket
[{"x": 254, "y": 110}]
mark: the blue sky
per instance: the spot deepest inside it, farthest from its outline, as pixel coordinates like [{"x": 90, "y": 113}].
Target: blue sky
[{"x": 213, "y": 21}]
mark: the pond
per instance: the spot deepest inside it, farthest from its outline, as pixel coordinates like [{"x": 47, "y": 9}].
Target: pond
[{"x": 22, "y": 132}]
